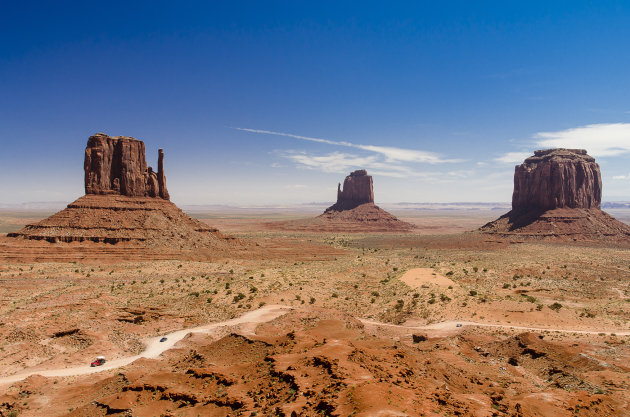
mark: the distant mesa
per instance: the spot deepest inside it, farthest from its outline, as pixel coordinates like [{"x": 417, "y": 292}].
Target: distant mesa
[
  {"x": 124, "y": 201},
  {"x": 557, "y": 194},
  {"x": 354, "y": 211},
  {"x": 357, "y": 190}
]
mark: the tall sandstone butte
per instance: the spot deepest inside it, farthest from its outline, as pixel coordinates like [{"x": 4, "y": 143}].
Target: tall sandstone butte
[
  {"x": 117, "y": 165},
  {"x": 557, "y": 194},
  {"x": 125, "y": 202},
  {"x": 357, "y": 190},
  {"x": 557, "y": 178}
]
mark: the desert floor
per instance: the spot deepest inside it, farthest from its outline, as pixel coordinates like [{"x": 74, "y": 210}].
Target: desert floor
[{"x": 372, "y": 329}]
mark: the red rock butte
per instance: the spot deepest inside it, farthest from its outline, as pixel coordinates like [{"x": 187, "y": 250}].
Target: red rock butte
[
  {"x": 117, "y": 165},
  {"x": 125, "y": 201},
  {"x": 557, "y": 194},
  {"x": 354, "y": 211},
  {"x": 357, "y": 190}
]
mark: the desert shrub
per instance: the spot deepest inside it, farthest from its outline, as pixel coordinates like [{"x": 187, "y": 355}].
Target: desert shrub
[
  {"x": 472, "y": 293},
  {"x": 449, "y": 273},
  {"x": 555, "y": 306},
  {"x": 238, "y": 297},
  {"x": 445, "y": 298},
  {"x": 530, "y": 299},
  {"x": 506, "y": 285},
  {"x": 417, "y": 338},
  {"x": 399, "y": 305}
]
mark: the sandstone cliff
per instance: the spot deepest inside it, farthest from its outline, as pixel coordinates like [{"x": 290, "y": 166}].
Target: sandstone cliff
[
  {"x": 117, "y": 165},
  {"x": 557, "y": 178},
  {"x": 357, "y": 190}
]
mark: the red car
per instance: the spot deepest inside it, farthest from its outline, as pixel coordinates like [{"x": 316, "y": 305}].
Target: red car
[{"x": 99, "y": 361}]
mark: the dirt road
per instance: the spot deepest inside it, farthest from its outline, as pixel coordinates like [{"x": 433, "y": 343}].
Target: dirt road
[
  {"x": 154, "y": 347},
  {"x": 248, "y": 321},
  {"x": 452, "y": 325}
]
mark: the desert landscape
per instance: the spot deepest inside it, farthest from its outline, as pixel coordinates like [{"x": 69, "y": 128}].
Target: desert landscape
[
  {"x": 315, "y": 209},
  {"x": 445, "y": 316}
]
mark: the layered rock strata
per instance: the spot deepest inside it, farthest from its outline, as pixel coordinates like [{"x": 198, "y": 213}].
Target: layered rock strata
[
  {"x": 557, "y": 194},
  {"x": 117, "y": 165},
  {"x": 557, "y": 178},
  {"x": 114, "y": 218}
]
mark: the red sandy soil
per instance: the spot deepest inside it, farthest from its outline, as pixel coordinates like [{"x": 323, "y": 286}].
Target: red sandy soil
[{"x": 322, "y": 362}]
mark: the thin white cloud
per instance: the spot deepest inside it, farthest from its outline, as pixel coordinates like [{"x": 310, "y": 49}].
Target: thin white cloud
[
  {"x": 335, "y": 162},
  {"x": 391, "y": 154},
  {"x": 513, "y": 157},
  {"x": 603, "y": 139},
  {"x": 342, "y": 163},
  {"x": 621, "y": 177}
]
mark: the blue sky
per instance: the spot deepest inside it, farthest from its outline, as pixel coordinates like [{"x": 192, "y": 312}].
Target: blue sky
[{"x": 275, "y": 102}]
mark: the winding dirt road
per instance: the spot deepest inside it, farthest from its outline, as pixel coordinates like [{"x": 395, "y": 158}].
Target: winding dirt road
[
  {"x": 155, "y": 348},
  {"x": 452, "y": 325},
  {"x": 249, "y": 321}
]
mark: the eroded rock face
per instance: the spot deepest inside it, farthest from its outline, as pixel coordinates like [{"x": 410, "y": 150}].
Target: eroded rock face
[
  {"x": 117, "y": 165},
  {"x": 557, "y": 178},
  {"x": 357, "y": 190}
]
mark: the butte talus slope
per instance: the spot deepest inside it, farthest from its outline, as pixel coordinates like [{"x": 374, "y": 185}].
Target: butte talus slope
[
  {"x": 557, "y": 195},
  {"x": 125, "y": 201},
  {"x": 354, "y": 211}
]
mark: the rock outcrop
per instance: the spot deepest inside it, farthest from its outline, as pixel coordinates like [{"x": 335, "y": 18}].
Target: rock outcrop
[
  {"x": 357, "y": 190},
  {"x": 354, "y": 211},
  {"x": 117, "y": 165},
  {"x": 557, "y": 194},
  {"x": 557, "y": 178},
  {"x": 125, "y": 202}
]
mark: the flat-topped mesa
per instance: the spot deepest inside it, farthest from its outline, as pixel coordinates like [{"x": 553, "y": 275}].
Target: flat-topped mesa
[
  {"x": 117, "y": 165},
  {"x": 357, "y": 190},
  {"x": 557, "y": 178}
]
